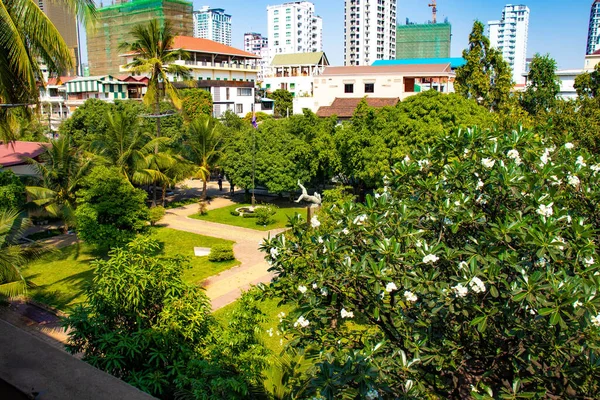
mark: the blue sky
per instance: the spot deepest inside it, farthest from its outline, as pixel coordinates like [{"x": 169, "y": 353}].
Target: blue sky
[{"x": 555, "y": 27}]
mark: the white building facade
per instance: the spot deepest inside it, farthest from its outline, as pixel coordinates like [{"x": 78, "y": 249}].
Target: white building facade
[
  {"x": 254, "y": 42},
  {"x": 213, "y": 24},
  {"x": 510, "y": 35},
  {"x": 369, "y": 31},
  {"x": 593, "y": 41},
  {"x": 294, "y": 28},
  {"x": 295, "y": 72}
]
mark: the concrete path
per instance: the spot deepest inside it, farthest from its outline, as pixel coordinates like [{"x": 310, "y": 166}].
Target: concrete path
[{"x": 226, "y": 287}]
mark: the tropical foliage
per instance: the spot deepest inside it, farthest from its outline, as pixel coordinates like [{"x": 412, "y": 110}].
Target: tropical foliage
[
  {"x": 12, "y": 191},
  {"x": 474, "y": 272}
]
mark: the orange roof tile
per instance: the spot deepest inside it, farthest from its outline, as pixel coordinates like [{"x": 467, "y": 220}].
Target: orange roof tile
[{"x": 208, "y": 46}]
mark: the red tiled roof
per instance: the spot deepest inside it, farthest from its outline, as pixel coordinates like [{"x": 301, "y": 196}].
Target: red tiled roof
[
  {"x": 13, "y": 153},
  {"x": 208, "y": 46},
  {"x": 132, "y": 78},
  {"x": 344, "y": 107},
  {"x": 61, "y": 80}
]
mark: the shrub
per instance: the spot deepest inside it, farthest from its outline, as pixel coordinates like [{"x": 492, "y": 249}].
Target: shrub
[
  {"x": 474, "y": 273},
  {"x": 221, "y": 252},
  {"x": 250, "y": 215},
  {"x": 235, "y": 213},
  {"x": 155, "y": 214},
  {"x": 264, "y": 214}
]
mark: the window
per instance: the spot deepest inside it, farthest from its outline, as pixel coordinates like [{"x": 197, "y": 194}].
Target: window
[
  {"x": 349, "y": 88},
  {"x": 277, "y": 43},
  {"x": 369, "y": 88},
  {"x": 276, "y": 20},
  {"x": 288, "y": 26},
  {"x": 288, "y": 41},
  {"x": 288, "y": 10},
  {"x": 288, "y": 34},
  {"x": 227, "y": 93},
  {"x": 276, "y": 12},
  {"x": 276, "y": 35},
  {"x": 288, "y": 18},
  {"x": 244, "y": 91},
  {"x": 239, "y": 108},
  {"x": 276, "y": 27}
]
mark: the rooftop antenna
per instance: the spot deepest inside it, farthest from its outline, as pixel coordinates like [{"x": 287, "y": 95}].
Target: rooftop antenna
[{"x": 433, "y": 6}]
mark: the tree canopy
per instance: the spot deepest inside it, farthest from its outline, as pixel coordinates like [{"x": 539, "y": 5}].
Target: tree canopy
[{"x": 543, "y": 85}]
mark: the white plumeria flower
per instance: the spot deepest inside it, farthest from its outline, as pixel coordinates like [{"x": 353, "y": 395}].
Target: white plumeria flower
[
  {"x": 577, "y": 303},
  {"x": 589, "y": 260},
  {"x": 430, "y": 259},
  {"x": 545, "y": 210},
  {"x": 345, "y": 231},
  {"x": 360, "y": 219},
  {"x": 460, "y": 290},
  {"x": 561, "y": 240},
  {"x": 406, "y": 159},
  {"x": 372, "y": 394},
  {"x": 555, "y": 180},
  {"x": 301, "y": 322},
  {"x": 488, "y": 162},
  {"x": 320, "y": 240},
  {"x": 314, "y": 222},
  {"x": 477, "y": 285},
  {"x": 580, "y": 161},
  {"x": 324, "y": 292},
  {"x": 390, "y": 287},
  {"x": 595, "y": 168},
  {"x": 377, "y": 195},
  {"x": 423, "y": 163},
  {"x": 281, "y": 316},
  {"x": 274, "y": 253},
  {"x": 479, "y": 184},
  {"x": 346, "y": 314},
  {"x": 514, "y": 153},
  {"x": 270, "y": 332},
  {"x": 463, "y": 265},
  {"x": 596, "y": 320},
  {"x": 569, "y": 146},
  {"x": 302, "y": 289},
  {"x": 315, "y": 286},
  {"x": 419, "y": 243},
  {"x": 573, "y": 180},
  {"x": 545, "y": 158},
  {"x": 457, "y": 203},
  {"x": 410, "y": 296}
]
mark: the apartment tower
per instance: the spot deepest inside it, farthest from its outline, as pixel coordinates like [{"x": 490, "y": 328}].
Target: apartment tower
[
  {"x": 294, "y": 28},
  {"x": 114, "y": 24},
  {"x": 509, "y": 35},
  {"x": 66, "y": 23},
  {"x": 593, "y": 41},
  {"x": 369, "y": 31},
  {"x": 254, "y": 42},
  {"x": 213, "y": 24}
]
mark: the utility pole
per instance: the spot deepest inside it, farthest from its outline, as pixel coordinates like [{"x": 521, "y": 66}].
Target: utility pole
[
  {"x": 433, "y": 6},
  {"x": 253, "y": 156}
]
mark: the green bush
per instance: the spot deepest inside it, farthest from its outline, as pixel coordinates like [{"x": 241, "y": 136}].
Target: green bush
[
  {"x": 235, "y": 213},
  {"x": 474, "y": 273},
  {"x": 221, "y": 252},
  {"x": 155, "y": 214},
  {"x": 250, "y": 215},
  {"x": 264, "y": 214}
]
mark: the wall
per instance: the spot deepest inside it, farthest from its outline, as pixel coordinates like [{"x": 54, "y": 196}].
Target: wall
[{"x": 297, "y": 85}]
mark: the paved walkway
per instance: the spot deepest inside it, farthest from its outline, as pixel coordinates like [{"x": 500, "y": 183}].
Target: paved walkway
[{"x": 226, "y": 287}]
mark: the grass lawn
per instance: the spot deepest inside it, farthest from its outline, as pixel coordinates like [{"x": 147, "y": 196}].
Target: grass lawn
[
  {"x": 270, "y": 308},
  {"x": 223, "y": 216},
  {"x": 60, "y": 277}
]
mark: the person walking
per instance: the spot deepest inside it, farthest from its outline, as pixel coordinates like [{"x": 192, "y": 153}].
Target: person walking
[{"x": 220, "y": 182}]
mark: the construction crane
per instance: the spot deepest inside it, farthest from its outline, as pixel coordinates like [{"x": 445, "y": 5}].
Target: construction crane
[{"x": 433, "y": 6}]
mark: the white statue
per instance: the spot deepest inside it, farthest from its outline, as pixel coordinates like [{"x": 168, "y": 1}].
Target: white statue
[{"x": 315, "y": 199}]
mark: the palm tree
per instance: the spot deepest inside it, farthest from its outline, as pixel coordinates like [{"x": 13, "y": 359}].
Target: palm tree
[
  {"x": 13, "y": 255},
  {"x": 61, "y": 172},
  {"x": 155, "y": 56},
  {"x": 27, "y": 36},
  {"x": 203, "y": 147}
]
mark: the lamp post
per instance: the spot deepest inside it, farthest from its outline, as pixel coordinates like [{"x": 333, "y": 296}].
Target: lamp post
[{"x": 253, "y": 157}]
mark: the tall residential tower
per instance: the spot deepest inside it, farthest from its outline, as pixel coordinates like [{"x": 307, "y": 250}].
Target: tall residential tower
[
  {"x": 509, "y": 35},
  {"x": 64, "y": 20},
  {"x": 213, "y": 24},
  {"x": 254, "y": 42},
  {"x": 294, "y": 28},
  {"x": 369, "y": 31},
  {"x": 593, "y": 41}
]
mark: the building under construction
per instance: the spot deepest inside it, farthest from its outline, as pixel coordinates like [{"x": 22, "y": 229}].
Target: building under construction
[
  {"x": 115, "y": 22},
  {"x": 430, "y": 40}
]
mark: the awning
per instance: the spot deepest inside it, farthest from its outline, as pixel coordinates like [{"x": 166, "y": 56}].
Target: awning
[{"x": 265, "y": 100}]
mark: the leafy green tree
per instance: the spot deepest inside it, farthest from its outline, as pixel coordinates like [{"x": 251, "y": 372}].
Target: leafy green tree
[
  {"x": 283, "y": 102},
  {"x": 110, "y": 211},
  {"x": 588, "y": 84},
  {"x": 195, "y": 103},
  {"x": 29, "y": 39},
  {"x": 61, "y": 171},
  {"x": 474, "y": 273},
  {"x": 13, "y": 255},
  {"x": 486, "y": 77},
  {"x": 12, "y": 191},
  {"x": 142, "y": 323},
  {"x": 543, "y": 85}
]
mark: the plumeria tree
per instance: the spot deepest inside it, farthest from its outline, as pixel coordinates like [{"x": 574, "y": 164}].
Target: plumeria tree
[{"x": 472, "y": 274}]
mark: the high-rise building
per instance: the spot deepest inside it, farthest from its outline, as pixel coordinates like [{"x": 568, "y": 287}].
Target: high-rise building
[
  {"x": 213, "y": 24},
  {"x": 593, "y": 42},
  {"x": 423, "y": 41},
  {"x": 509, "y": 35},
  {"x": 369, "y": 31},
  {"x": 66, "y": 23},
  {"x": 254, "y": 42},
  {"x": 294, "y": 28},
  {"x": 114, "y": 23}
]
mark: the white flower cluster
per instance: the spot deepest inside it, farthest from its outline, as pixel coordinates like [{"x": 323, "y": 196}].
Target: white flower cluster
[
  {"x": 477, "y": 285},
  {"x": 324, "y": 291},
  {"x": 514, "y": 154},
  {"x": 580, "y": 161},
  {"x": 561, "y": 240},
  {"x": 596, "y": 320},
  {"x": 410, "y": 296},
  {"x": 545, "y": 210},
  {"x": 595, "y": 168},
  {"x": 460, "y": 290},
  {"x": 589, "y": 261},
  {"x": 430, "y": 259},
  {"x": 555, "y": 180},
  {"x": 372, "y": 394},
  {"x": 577, "y": 303},
  {"x": 281, "y": 316},
  {"x": 479, "y": 184},
  {"x": 346, "y": 314},
  {"x": 390, "y": 287},
  {"x": 423, "y": 164},
  {"x": 488, "y": 162},
  {"x": 302, "y": 289},
  {"x": 360, "y": 219},
  {"x": 569, "y": 146},
  {"x": 274, "y": 253},
  {"x": 545, "y": 158},
  {"x": 573, "y": 180},
  {"x": 270, "y": 332},
  {"x": 301, "y": 322},
  {"x": 314, "y": 222}
]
